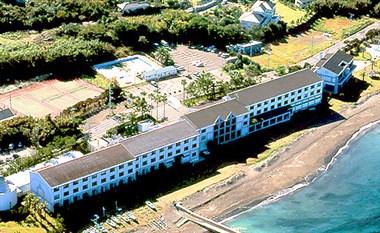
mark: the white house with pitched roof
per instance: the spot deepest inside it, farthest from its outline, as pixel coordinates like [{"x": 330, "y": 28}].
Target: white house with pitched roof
[{"x": 261, "y": 14}]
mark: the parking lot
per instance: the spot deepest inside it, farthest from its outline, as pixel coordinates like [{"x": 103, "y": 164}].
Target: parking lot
[{"x": 186, "y": 57}]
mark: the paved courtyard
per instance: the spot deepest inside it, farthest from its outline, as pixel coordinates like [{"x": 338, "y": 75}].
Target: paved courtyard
[{"x": 184, "y": 56}]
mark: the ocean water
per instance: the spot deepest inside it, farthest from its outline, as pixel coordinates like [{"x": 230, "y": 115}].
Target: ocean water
[{"x": 344, "y": 199}]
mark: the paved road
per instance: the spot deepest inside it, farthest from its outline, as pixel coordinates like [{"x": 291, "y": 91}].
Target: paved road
[{"x": 359, "y": 35}]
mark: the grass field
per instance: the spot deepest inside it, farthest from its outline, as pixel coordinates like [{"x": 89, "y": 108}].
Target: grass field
[
  {"x": 13, "y": 227},
  {"x": 341, "y": 27},
  {"x": 298, "y": 48},
  {"x": 295, "y": 49},
  {"x": 288, "y": 14}
]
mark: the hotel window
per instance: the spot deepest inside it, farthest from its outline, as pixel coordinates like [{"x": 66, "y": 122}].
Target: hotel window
[
  {"x": 94, "y": 183},
  {"x": 318, "y": 91},
  {"x": 186, "y": 141},
  {"x": 103, "y": 180},
  {"x": 170, "y": 147},
  {"x": 121, "y": 174},
  {"x": 85, "y": 179},
  {"x": 65, "y": 186},
  {"x": 272, "y": 107},
  {"x": 56, "y": 197},
  {"x": 75, "y": 182},
  {"x": 203, "y": 131},
  {"x": 194, "y": 138},
  {"x": 293, "y": 93},
  {"x": 112, "y": 177},
  {"x": 178, "y": 144},
  {"x": 75, "y": 190},
  {"x": 186, "y": 148},
  {"x": 272, "y": 100},
  {"x": 144, "y": 156},
  {"x": 130, "y": 164},
  {"x": 178, "y": 151},
  {"x": 265, "y": 109},
  {"x": 319, "y": 84},
  {"x": 145, "y": 163},
  {"x": 278, "y": 105},
  {"x": 161, "y": 157},
  {"x": 292, "y": 100},
  {"x": 312, "y": 93},
  {"x": 287, "y": 95},
  {"x": 285, "y": 102},
  {"x": 169, "y": 154},
  {"x": 121, "y": 166},
  {"x": 94, "y": 176},
  {"x": 56, "y": 189},
  {"x": 162, "y": 150},
  {"x": 299, "y": 91},
  {"x": 259, "y": 105},
  {"x": 299, "y": 97},
  {"x": 279, "y": 98},
  {"x": 153, "y": 160},
  {"x": 65, "y": 194},
  {"x": 312, "y": 86},
  {"x": 258, "y": 112},
  {"x": 103, "y": 173},
  {"x": 130, "y": 171},
  {"x": 194, "y": 145},
  {"x": 306, "y": 88},
  {"x": 266, "y": 102},
  {"x": 85, "y": 187},
  {"x": 112, "y": 169}
]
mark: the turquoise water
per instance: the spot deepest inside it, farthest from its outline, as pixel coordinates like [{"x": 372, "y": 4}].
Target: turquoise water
[{"x": 344, "y": 199}]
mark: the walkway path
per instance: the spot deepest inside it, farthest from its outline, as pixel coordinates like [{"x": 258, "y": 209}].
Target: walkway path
[{"x": 202, "y": 221}]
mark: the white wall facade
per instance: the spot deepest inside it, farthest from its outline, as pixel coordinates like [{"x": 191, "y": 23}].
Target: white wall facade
[
  {"x": 186, "y": 151},
  {"x": 335, "y": 82},
  {"x": 260, "y": 115}
]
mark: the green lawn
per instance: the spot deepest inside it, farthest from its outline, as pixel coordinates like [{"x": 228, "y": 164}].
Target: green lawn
[
  {"x": 298, "y": 48},
  {"x": 294, "y": 49},
  {"x": 13, "y": 227},
  {"x": 97, "y": 80},
  {"x": 288, "y": 14}
]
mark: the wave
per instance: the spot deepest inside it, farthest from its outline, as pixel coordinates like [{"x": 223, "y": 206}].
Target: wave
[{"x": 310, "y": 178}]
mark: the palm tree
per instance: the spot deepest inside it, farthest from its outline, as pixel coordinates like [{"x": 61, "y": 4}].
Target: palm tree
[
  {"x": 184, "y": 82},
  {"x": 155, "y": 97},
  {"x": 164, "y": 99}
]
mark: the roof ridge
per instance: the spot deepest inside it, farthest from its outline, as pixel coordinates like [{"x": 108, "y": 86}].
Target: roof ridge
[{"x": 272, "y": 80}]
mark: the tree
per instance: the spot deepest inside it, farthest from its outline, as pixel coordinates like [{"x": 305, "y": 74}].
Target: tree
[
  {"x": 184, "y": 82},
  {"x": 162, "y": 54}
]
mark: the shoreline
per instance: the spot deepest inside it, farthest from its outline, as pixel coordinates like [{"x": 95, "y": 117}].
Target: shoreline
[
  {"x": 300, "y": 162},
  {"x": 308, "y": 180}
]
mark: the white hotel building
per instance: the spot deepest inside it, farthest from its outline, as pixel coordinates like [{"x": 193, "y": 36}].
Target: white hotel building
[{"x": 243, "y": 112}]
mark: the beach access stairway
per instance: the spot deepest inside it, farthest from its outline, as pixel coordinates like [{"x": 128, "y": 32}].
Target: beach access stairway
[{"x": 202, "y": 221}]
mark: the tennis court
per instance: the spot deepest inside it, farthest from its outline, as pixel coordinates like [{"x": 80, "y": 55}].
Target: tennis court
[{"x": 48, "y": 97}]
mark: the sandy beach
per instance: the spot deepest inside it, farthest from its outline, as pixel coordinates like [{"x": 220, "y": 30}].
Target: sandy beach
[{"x": 288, "y": 167}]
